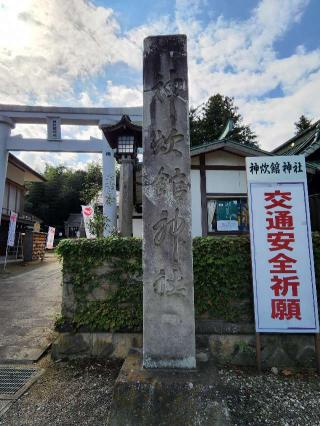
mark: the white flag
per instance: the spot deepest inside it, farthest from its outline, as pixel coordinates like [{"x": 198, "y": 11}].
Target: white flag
[
  {"x": 88, "y": 215},
  {"x": 50, "y": 237},
  {"x": 12, "y": 228}
]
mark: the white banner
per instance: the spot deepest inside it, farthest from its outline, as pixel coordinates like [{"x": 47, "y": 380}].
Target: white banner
[
  {"x": 285, "y": 295},
  {"x": 50, "y": 237},
  {"x": 88, "y": 215},
  {"x": 12, "y": 229}
]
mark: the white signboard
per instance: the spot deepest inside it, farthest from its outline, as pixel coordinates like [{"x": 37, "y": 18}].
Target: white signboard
[
  {"x": 285, "y": 295},
  {"x": 12, "y": 229},
  {"x": 88, "y": 214},
  {"x": 227, "y": 225},
  {"x": 50, "y": 237}
]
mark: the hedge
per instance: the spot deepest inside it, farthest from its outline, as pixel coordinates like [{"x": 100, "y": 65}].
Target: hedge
[{"x": 222, "y": 280}]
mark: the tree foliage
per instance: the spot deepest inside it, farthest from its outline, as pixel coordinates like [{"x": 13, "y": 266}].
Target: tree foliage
[
  {"x": 208, "y": 121},
  {"x": 92, "y": 182},
  {"x": 63, "y": 193},
  {"x": 302, "y": 124},
  {"x": 222, "y": 280}
]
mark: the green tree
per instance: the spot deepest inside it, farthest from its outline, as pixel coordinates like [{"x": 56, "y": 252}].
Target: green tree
[
  {"x": 62, "y": 193},
  {"x": 208, "y": 121},
  {"x": 302, "y": 124},
  {"x": 92, "y": 183}
]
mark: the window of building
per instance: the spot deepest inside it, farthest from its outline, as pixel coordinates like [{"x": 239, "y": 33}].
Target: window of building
[
  {"x": 13, "y": 199},
  {"x": 228, "y": 215},
  {"x": 18, "y": 201},
  {"x": 6, "y": 199}
]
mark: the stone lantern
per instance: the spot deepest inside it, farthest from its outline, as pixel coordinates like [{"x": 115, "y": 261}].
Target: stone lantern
[{"x": 125, "y": 138}]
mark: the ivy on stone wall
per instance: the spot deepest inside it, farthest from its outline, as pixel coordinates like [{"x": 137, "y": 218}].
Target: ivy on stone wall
[
  {"x": 82, "y": 260},
  {"x": 222, "y": 280}
]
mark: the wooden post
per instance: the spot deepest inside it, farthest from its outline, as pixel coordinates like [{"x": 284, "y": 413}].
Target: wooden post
[
  {"x": 203, "y": 190},
  {"x": 258, "y": 352},
  {"x": 317, "y": 349}
]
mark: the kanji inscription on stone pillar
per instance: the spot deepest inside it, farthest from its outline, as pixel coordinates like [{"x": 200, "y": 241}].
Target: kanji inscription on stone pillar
[{"x": 168, "y": 305}]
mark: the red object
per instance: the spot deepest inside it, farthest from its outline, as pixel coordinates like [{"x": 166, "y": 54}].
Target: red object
[
  {"x": 88, "y": 211},
  {"x": 277, "y": 199},
  {"x": 282, "y": 219},
  {"x": 285, "y": 309},
  {"x": 281, "y": 285},
  {"x": 280, "y": 240},
  {"x": 283, "y": 263}
]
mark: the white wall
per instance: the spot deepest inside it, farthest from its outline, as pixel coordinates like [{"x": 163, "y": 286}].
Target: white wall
[
  {"x": 196, "y": 203},
  {"x": 226, "y": 181},
  {"x": 137, "y": 227},
  {"x": 223, "y": 158}
]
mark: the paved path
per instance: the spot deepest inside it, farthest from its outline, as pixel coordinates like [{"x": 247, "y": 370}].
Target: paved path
[{"x": 30, "y": 300}]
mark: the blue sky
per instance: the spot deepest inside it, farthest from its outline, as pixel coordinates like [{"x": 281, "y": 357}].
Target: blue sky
[{"x": 264, "y": 53}]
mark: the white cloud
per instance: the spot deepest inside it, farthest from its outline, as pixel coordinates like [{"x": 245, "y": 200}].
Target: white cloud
[
  {"x": 274, "y": 118},
  {"x": 121, "y": 95},
  {"x": 38, "y": 160},
  {"x": 57, "y": 43},
  {"x": 239, "y": 59},
  {"x": 80, "y": 132}
]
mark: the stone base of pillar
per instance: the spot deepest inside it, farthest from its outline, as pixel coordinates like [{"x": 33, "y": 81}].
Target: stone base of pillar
[{"x": 166, "y": 397}]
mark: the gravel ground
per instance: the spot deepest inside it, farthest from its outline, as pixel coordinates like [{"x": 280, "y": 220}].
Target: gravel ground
[
  {"x": 80, "y": 392},
  {"x": 73, "y": 393},
  {"x": 285, "y": 399}
]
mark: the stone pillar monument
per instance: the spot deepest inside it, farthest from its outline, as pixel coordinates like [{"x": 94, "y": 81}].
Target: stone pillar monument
[
  {"x": 109, "y": 188},
  {"x": 126, "y": 196},
  {"x": 6, "y": 124},
  {"x": 168, "y": 302}
]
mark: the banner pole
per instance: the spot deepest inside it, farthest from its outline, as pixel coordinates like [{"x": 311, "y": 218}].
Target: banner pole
[
  {"x": 317, "y": 350},
  {"x": 5, "y": 260},
  {"x": 258, "y": 352}
]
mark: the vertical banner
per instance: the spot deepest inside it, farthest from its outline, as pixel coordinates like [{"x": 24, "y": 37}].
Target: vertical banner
[
  {"x": 285, "y": 297},
  {"x": 88, "y": 214},
  {"x": 50, "y": 237},
  {"x": 12, "y": 229}
]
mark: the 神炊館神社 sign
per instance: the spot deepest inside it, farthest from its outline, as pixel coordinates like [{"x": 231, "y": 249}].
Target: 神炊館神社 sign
[{"x": 285, "y": 296}]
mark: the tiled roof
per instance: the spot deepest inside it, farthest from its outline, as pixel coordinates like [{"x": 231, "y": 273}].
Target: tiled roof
[
  {"x": 224, "y": 143},
  {"x": 305, "y": 143}
]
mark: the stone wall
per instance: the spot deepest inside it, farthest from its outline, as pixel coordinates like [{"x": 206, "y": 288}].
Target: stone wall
[
  {"x": 278, "y": 350},
  {"x": 98, "y": 293},
  {"x": 95, "y": 345},
  {"x": 222, "y": 342}
]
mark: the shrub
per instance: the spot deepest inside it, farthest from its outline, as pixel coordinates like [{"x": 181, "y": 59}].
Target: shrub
[{"x": 222, "y": 280}]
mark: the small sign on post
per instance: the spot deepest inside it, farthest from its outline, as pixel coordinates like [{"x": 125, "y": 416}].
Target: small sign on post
[{"x": 285, "y": 297}]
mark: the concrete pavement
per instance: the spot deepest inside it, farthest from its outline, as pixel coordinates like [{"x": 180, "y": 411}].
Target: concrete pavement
[{"x": 30, "y": 300}]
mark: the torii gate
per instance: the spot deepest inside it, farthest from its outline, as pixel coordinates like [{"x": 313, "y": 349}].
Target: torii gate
[{"x": 55, "y": 117}]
